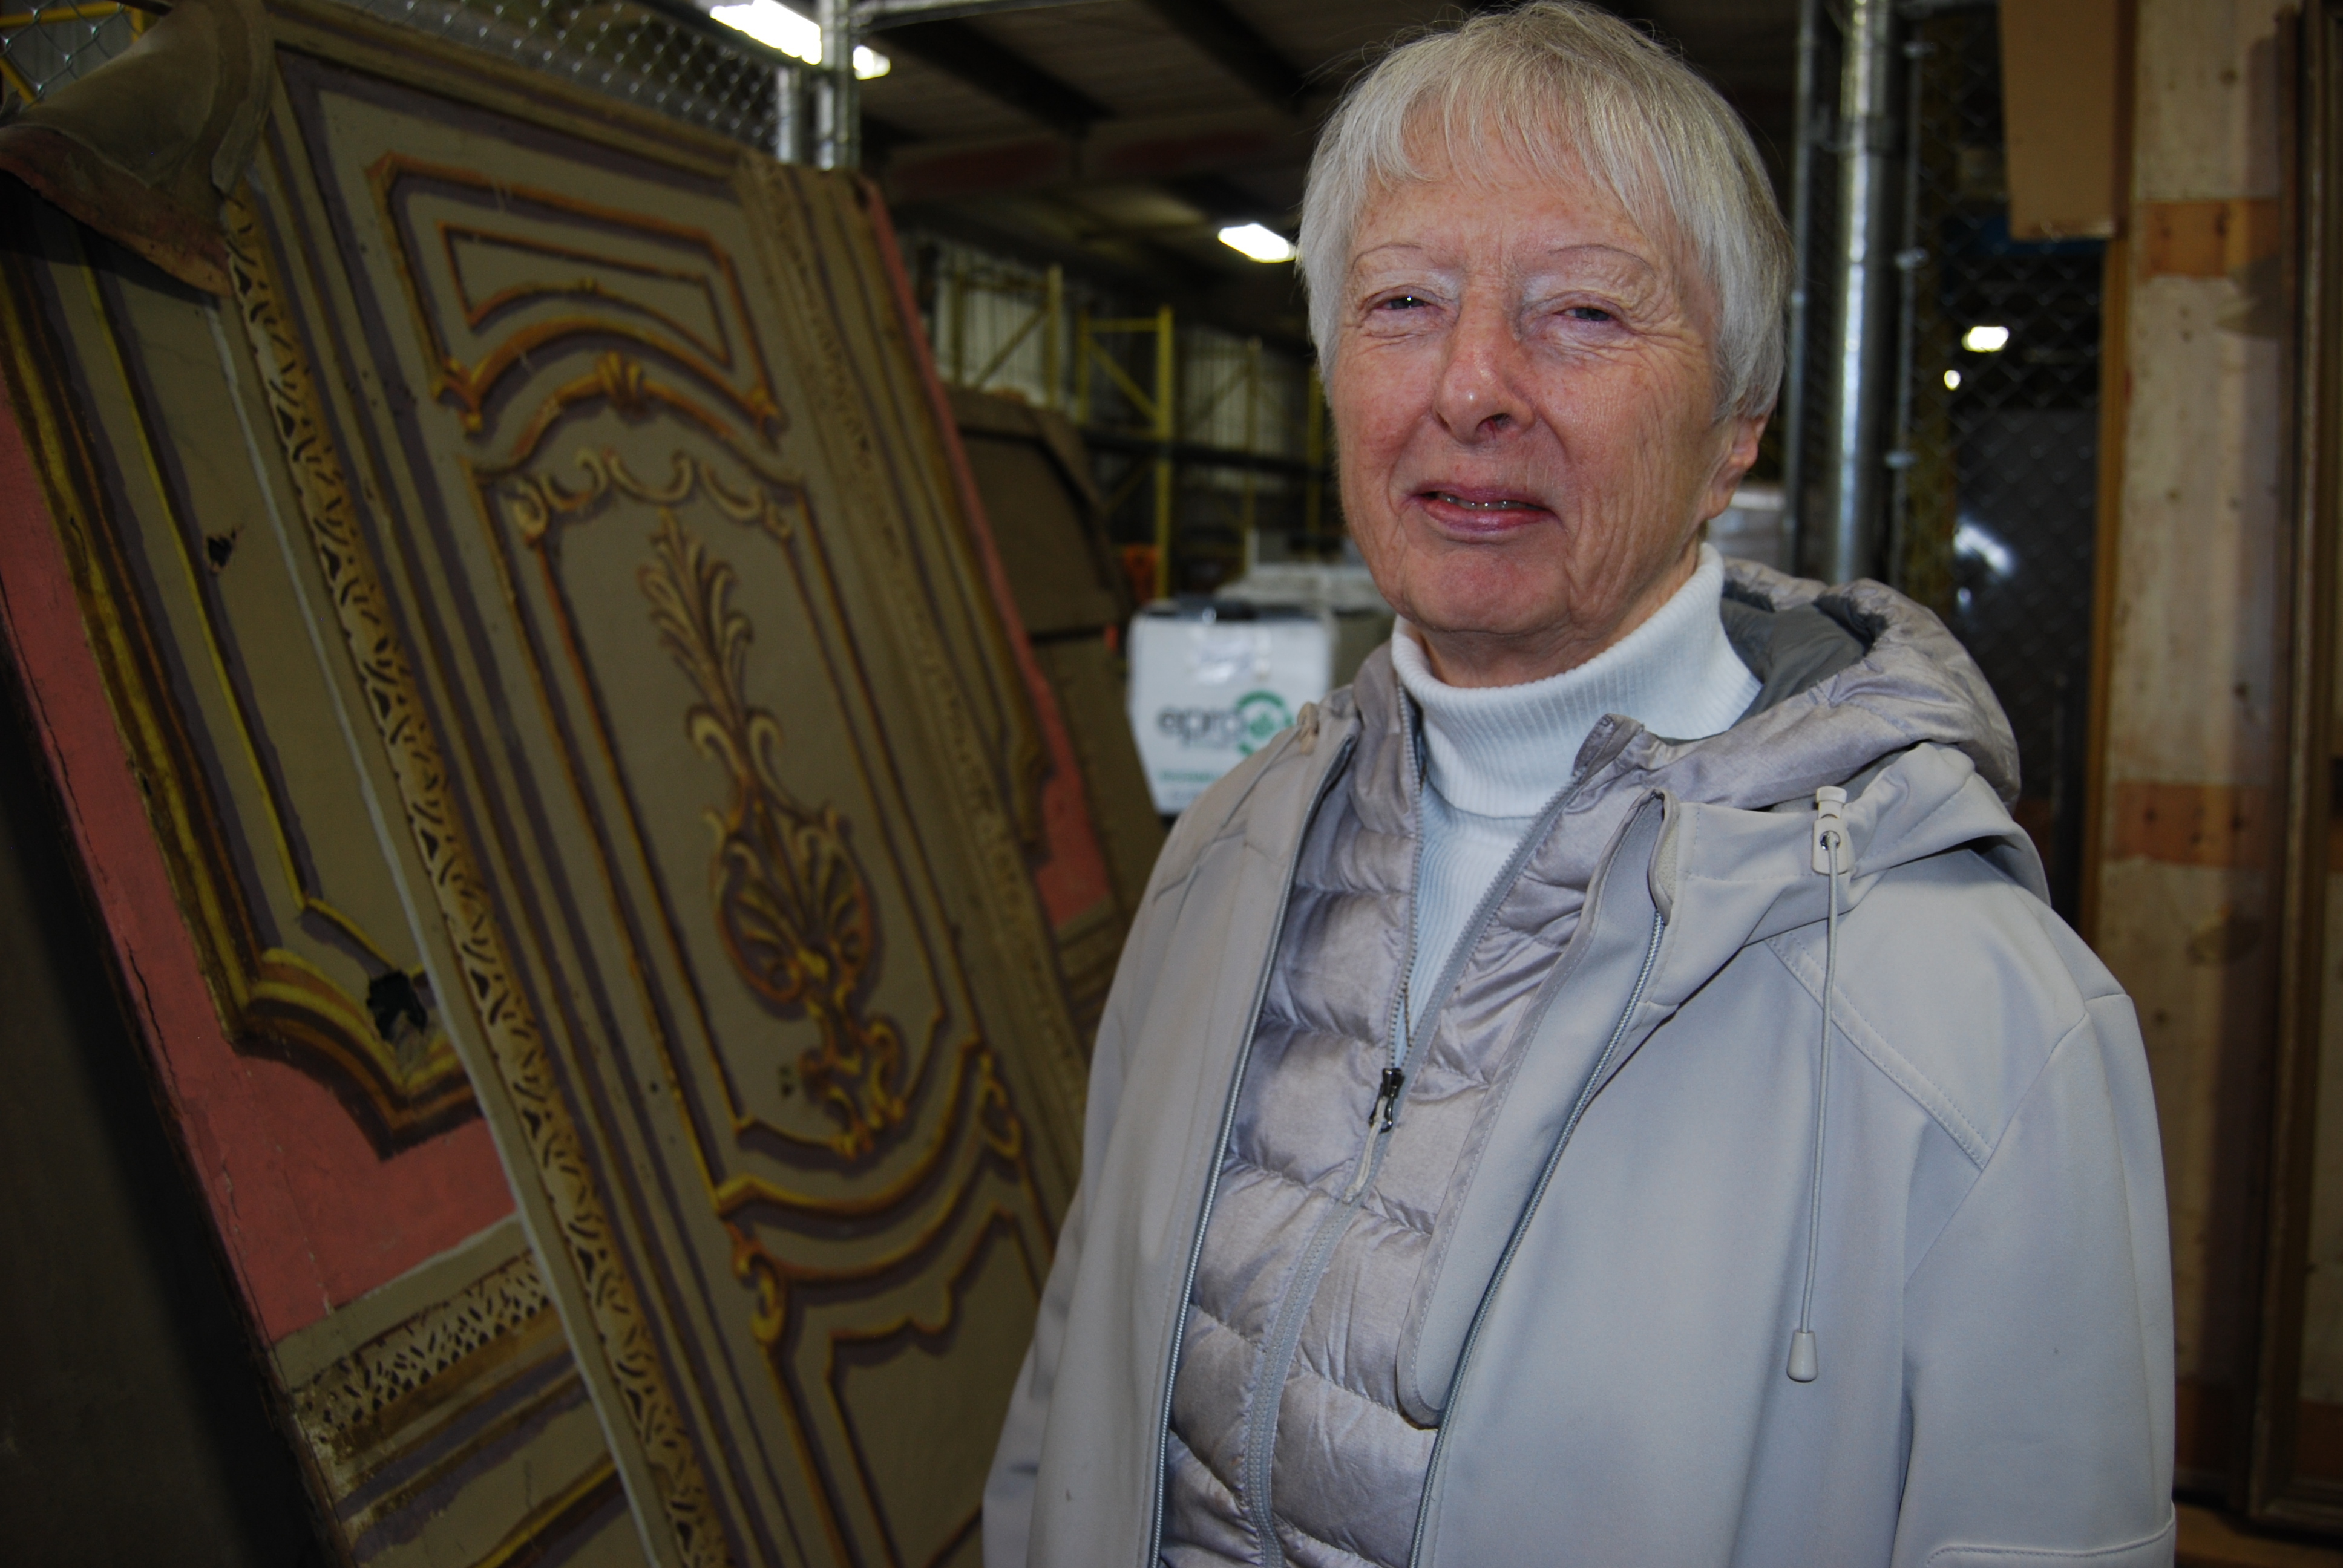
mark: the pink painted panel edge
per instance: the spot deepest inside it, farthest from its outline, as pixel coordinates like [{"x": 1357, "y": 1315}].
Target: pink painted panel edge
[{"x": 312, "y": 1217}]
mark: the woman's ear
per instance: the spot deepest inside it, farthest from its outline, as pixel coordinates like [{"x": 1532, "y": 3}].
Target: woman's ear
[{"x": 1739, "y": 433}]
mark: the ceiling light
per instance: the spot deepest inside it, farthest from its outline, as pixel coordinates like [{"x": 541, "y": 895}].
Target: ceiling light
[
  {"x": 793, "y": 33},
  {"x": 1952, "y": 380},
  {"x": 1255, "y": 240},
  {"x": 1977, "y": 545},
  {"x": 1986, "y": 339}
]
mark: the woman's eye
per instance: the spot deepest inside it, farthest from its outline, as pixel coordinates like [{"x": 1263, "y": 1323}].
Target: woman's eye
[
  {"x": 1589, "y": 313},
  {"x": 1403, "y": 302}
]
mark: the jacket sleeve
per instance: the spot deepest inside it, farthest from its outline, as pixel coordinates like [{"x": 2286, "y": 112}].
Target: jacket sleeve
[
  {"x": 1016, "y": 1459},
  {"x": 1009, "y": 1489},
  {"x": 1016, "y": 1462},
  {"x": 2039, "y": 1332}
]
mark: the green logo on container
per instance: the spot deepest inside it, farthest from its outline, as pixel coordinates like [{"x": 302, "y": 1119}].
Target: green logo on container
[{"x": 1260, "y": 715}]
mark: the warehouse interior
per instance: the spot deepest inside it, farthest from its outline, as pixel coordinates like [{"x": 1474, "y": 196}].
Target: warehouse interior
[{"x": 464, "y": 458}]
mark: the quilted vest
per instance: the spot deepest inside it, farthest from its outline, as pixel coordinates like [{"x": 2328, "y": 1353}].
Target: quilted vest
[{"x": 1289, "y": 1440}]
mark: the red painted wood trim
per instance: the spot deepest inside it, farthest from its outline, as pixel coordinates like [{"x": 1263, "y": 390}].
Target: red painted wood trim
[{"x": 311, "y": 1216}]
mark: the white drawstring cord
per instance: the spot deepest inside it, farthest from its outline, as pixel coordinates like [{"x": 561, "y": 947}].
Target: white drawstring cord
[{"x": 1830, "y": 860}]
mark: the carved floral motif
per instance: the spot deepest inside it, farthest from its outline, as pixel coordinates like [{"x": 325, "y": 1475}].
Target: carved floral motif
[{"x": 791, "y": 901}]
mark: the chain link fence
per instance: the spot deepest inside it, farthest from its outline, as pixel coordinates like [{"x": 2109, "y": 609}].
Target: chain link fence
[
  {"x": 43, "y": 47},
  {"x": 1992, "y": 520},
  {"x": 671, "y": 60}
]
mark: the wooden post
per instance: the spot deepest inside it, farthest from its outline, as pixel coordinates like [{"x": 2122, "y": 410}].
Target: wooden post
[
  {"x": 1167, "y": 431},
  {"x": 1053, "y": 305}
]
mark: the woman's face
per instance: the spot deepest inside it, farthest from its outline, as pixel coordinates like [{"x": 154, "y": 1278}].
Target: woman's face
[{"x": 1525, "y": 391}]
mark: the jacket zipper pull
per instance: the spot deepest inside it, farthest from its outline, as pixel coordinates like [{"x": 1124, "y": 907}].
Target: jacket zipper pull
[
  {"x": 1380, "y": 1117},
  {"x": 1831, "y": 857}
]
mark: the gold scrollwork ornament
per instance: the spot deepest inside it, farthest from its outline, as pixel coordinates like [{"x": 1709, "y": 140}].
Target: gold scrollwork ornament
[{"x": 792, "y": 903}]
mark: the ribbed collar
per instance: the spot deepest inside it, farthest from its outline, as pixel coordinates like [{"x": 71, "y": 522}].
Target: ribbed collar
[{"x": 1504, "y": 750}]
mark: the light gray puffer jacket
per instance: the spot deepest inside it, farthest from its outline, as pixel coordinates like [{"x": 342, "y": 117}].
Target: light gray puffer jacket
[{"x": 1599, "y": 1336}]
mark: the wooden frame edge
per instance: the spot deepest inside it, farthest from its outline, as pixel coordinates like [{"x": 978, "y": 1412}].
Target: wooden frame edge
[
  {"x": 2269, "y": 1490},
  {"x": 2115, "y": 425}
]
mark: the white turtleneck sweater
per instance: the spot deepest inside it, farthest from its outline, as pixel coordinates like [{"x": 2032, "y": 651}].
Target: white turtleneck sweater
[{"x": 1494, "y": 756}]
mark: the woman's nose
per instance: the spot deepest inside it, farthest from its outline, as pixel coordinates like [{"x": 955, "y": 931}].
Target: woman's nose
[{"x": 1479, "y": 394}]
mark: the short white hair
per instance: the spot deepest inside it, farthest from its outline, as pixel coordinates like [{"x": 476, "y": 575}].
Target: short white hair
[{"x": 1560, "y": 85}]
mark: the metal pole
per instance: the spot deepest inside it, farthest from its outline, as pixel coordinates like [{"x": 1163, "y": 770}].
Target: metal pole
[
  {"x": 839, "y": 130},
  {"x": 1867, "y": 285},
  {"x": 788, "y": 117},
  {"x": 1795, "y": 402},
  {"x": 1895, "y": 568}
]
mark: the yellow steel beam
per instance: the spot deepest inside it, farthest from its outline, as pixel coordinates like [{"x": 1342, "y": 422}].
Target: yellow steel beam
[
  {"x": 1053, "y": 302},
  {"x": 1125, "y": 487},
  {"x": 1313, "y": 451},
  {"x": 1081, "y": 410},
  {"x": 15, "y": 80},
  {"x": 1167, "y": 416},
  {"x": 1122, "y": 378},
  {"x": 97, "y": 11}
]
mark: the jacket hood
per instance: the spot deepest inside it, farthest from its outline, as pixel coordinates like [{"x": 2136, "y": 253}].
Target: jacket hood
[{"x": 1850, "y": 675}]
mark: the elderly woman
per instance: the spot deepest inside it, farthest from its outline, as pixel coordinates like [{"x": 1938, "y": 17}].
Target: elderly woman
[{"x": 1607, "y": 1087}]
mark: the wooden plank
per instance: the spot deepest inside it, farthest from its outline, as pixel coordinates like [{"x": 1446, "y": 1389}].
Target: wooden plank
[
  {"x": 2195, "y": 663},
  {"x": 2061, "y": 108},
  {"x": 2116, "y": 268},
  {"x": 2194, "y": 824},
  {"x": 2208, "y": 238}
]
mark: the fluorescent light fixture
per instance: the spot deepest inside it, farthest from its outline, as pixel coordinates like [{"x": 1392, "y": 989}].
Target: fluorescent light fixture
[
  {"x": 1258, "y": 242},
  {"x": 793, "y": 33},
  {"x": 1986, "y": 339},
  {"x": 1952, "y": 380}
]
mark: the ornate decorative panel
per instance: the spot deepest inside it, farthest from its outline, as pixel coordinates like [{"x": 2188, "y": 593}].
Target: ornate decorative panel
[
  {"x": 443, "y": 1419},
  {"x": 714, "y": 764},
  {"x": 290, "y": 884}
]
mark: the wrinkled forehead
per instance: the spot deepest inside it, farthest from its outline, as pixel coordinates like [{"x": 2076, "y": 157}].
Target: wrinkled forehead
[{"x": 1450, "y": 133}]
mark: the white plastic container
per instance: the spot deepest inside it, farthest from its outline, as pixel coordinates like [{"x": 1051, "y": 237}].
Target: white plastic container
[
  {"x": 1212, "y": 683},
  {"x": 1339, "y": 590}
]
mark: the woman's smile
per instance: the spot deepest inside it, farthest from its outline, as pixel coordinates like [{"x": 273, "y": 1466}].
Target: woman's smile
[{"x": 1470, "y": 513}]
